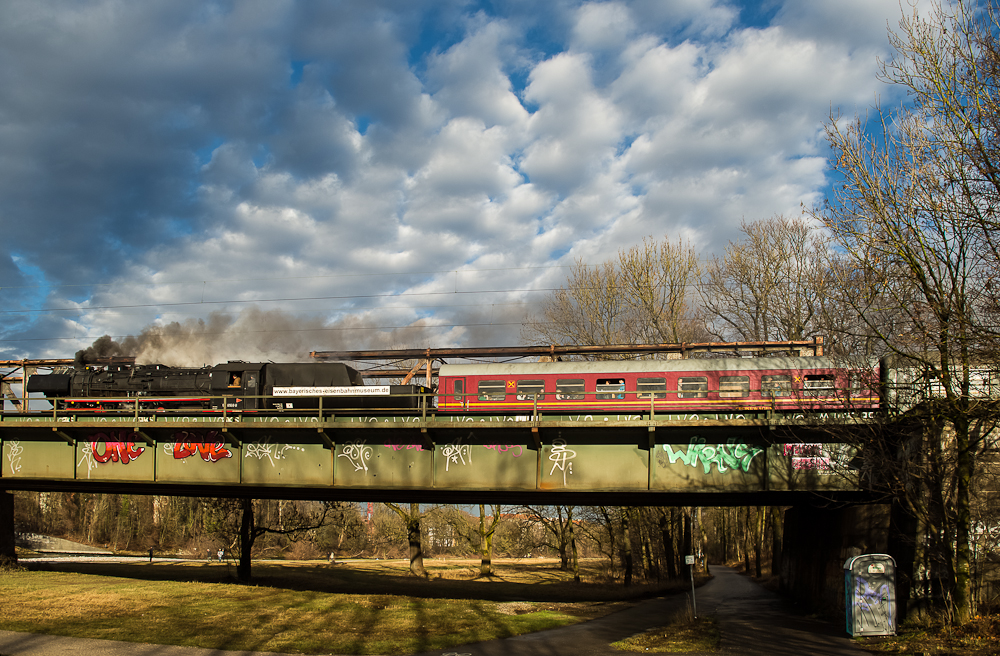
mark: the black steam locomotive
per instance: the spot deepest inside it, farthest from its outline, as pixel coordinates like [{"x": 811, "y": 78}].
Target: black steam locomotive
[{"x": 231, "y": 386}]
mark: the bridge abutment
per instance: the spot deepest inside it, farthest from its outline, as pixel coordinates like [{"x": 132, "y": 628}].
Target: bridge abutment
[
  {"x": 818, "y": 540},
  {"x": 7, "y": 553}
]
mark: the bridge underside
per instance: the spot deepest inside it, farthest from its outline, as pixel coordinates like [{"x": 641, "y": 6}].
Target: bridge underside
[{"x": 593, "y": 459}]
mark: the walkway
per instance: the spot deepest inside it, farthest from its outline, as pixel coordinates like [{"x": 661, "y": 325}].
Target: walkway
[{"x": 753, "y": 621}]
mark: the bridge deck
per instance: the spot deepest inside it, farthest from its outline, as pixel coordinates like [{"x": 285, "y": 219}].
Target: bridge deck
[{"x": 714, "y": 459}]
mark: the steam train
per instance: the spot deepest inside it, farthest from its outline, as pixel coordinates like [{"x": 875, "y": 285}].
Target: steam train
[
  {"x": 237, "y": 386},
  {"x": 633, "y": 386}
]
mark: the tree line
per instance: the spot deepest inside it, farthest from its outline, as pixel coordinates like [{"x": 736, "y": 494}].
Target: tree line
[{"x": 634, "y": 544}]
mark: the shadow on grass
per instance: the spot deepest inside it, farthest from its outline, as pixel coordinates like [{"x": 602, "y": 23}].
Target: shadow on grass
[{"x": 546, "y": 584}]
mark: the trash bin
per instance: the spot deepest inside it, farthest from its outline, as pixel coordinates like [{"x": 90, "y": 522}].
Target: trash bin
[{"x": 870, "y": 595}]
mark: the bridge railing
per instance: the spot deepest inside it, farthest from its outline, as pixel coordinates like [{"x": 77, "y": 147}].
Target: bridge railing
[{"x": 643, "y": 402}]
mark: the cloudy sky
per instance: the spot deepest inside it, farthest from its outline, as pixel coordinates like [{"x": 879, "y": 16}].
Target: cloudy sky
[{"x": 358, "y": 174}]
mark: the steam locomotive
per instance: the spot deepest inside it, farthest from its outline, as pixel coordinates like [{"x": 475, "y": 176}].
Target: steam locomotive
[
  {"x": 239, "y": 386},
  {"x": 634, "y": 386}
]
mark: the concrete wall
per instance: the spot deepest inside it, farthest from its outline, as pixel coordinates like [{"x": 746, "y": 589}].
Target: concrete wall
[
  {"x": 817, "y": 541},
  {"x": 7, "y": 552}
]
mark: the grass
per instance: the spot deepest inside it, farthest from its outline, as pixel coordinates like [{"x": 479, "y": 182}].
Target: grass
[
  {"x": 365, "y": 607},
  {"x": 980, "y": 637},
  {"x": 681, "y": 635}
]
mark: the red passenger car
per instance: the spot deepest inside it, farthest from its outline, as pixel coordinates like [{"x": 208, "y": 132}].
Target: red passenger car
[{"x": 664, "y": 386}]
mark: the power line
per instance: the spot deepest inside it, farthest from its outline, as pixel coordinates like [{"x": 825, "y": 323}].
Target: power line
[
  {"x": 293, "y": 299},
  {"x": 316, "y": 277},
  {"x": 282, "y": 330}
]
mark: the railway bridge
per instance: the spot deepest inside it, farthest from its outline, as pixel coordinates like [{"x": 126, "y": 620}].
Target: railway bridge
[{"x": 759, "y": 458}]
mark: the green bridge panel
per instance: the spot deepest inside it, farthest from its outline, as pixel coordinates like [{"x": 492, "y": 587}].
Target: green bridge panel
[
  {"x": 697, "y": 466},
  {"x": 271, "y": 462},
  {"x": 50, "y": 459},
  {"x": 473, "y": 466},
  {"x": 592, "y": 454},
  {"x": 213, "y": 463},
  {"x": 579, "y": 467}
]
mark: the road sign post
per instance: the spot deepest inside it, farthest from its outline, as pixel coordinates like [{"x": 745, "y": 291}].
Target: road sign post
[{"x": 689, "y": 561}]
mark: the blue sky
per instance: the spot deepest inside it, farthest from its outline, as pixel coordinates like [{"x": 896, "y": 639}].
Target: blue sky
[{"x": 320, "y": 175}]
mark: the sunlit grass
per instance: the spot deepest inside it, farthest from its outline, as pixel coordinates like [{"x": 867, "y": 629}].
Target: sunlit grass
[
  {"x": 682, "y": 634},
  {"x": 358, "y": 608}
]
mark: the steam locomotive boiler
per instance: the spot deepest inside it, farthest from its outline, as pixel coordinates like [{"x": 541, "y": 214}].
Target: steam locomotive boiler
[{"x": 234, "y": 385}]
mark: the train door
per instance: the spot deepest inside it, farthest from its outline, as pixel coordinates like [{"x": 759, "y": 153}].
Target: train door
[
  {"x": 250, "y": 389},
  {"x": 459, "y": 399}
]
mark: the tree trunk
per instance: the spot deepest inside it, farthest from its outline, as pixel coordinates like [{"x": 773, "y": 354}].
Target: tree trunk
[
  {"x": 746, "y": 539},
  {"x": 572, "y": 544},
  {"x": 775, "y": 540},
  {"x": 758, "y": 540},
  {"x": 963, "y": 519},
  {"x": 485, "y": 544},
  {"x": 413, "y": 537},
  {"x": 626, "y": 546},
  {"x": 687, "y": 548},
  {"x": 668, "y": 546},
  {"x": 703, "y": 547},
  {"x": 243, "y": 572}
]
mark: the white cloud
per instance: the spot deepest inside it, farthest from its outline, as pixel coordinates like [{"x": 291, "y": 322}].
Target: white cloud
[
  {"x": 364, "y": 160},
  {"x": 602, "y": 26}
]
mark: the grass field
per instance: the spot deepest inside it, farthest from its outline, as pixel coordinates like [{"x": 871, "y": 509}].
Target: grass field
[{"x": 360, "y": 607}]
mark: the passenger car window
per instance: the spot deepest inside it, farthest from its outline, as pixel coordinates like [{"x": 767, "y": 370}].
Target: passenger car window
[
  {"x": 775, "y": 385},
  {"x": 692, "y": 387},
  {"x": 652, "y": 387},
  {"x": 734, "y": 387},
  {"x": 492, "y": 390},
  {"x": 528, "y": 390},
  {"x": 605, "y": 385},
  {"x": 570, "y": 389},
  {"x": 821, "y": 385}
]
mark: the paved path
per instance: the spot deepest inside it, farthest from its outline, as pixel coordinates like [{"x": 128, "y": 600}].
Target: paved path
[{"x": 752, "y": 621}]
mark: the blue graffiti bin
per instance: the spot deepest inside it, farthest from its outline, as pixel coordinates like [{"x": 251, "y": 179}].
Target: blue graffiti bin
[{"x": 870, "y": 595}]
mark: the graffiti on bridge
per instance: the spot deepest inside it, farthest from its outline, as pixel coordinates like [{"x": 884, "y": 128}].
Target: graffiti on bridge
[
  {"x": 270, "y": 451},
  {"x": 515, "y": 450},
  {"x": 122, "y": 447},
  {"x": 562, "y": 459},
  {"x": 818, "y": 457},
  {"x": 724, "y": 457},
  {"x": 14, "y": 457},
  {"x": 358, "y": 454},
  {"x": 190, "y": 443}
]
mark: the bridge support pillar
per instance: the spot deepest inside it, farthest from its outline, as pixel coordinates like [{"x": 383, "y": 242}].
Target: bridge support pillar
[
  {"x": 7, "y": 553},
  {"x": 816, "y": 543}
]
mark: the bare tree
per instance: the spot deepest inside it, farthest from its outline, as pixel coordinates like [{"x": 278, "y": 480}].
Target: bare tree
[
  {"x": 771, "y": 284},
  {"x": 556, "y": 521},
  {"x": 412, "y": 518},
  {"x": 487, "y": 529},
  {"x": 643, "y": 296},
  {"x": 915, "y": 216}
]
